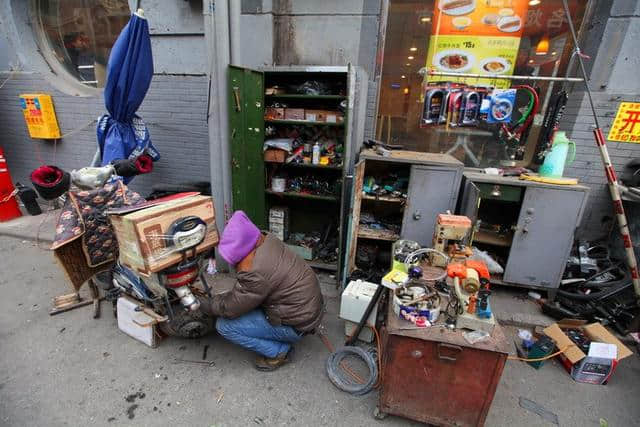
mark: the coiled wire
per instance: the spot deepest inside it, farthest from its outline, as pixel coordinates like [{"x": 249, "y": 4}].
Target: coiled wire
[{"x": 336, "y": 373}]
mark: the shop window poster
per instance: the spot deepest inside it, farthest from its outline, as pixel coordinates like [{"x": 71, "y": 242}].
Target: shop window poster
[{"x": 476, "y": 37}]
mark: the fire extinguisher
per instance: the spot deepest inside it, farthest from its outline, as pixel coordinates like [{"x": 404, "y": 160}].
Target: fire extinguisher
[{"x": 9, "y": 208}]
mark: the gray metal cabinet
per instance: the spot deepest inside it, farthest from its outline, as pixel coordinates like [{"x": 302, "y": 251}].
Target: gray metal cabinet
[
  {"x": 432, "y": 191},
  {"x": 434, "y": 184},
  {"x": 541, "y": 239}
]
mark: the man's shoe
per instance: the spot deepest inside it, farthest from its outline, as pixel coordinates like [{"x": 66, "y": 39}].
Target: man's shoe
[{"x": 268, "y": 364}]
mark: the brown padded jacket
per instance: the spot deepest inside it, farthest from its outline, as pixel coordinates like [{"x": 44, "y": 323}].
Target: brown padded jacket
[{"x": 281, "y": 283}]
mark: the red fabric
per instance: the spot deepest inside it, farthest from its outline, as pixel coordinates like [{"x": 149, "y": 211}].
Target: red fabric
[
  {"x": 47, "y": 176},
  {"x": 144, "y": 163}
]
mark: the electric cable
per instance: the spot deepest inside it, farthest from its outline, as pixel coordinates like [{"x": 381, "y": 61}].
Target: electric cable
[
  {"x": 410, "y": 259},
  {"x": 334, "y": 363},
  {"x": 336, "y": 359},
  {"x": 540, "y": 359}
]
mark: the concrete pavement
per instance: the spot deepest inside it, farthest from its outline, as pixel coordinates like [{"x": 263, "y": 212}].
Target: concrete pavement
[{"x": 71, "y": 370}]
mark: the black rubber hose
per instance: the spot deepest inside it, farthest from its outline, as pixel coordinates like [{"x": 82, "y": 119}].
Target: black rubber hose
[
  {"x": 604, "y": 293},
  {"x": 589, "y": 281},
  {"x": 338, "y": 377}
]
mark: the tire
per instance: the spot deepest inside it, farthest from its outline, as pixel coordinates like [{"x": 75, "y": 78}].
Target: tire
[{"x": 188, "y": 324}]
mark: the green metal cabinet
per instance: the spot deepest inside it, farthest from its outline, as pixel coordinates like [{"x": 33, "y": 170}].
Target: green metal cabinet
[
  {"x": 246, "y": 117},
  {"x": 246, "y": 105}
]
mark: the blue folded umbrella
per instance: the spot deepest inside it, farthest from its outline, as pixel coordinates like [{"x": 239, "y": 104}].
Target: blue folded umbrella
[{"x": 122, "y": 134}]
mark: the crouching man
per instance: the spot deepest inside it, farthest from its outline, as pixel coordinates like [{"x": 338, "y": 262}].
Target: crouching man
[{"x": 275, "y": 300}]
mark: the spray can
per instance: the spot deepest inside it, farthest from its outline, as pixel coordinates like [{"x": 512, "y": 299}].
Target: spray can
[{"x": 315, "y": 158}]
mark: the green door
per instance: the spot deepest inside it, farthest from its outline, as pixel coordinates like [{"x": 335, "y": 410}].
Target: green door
[{"x": 246, "y": 116}]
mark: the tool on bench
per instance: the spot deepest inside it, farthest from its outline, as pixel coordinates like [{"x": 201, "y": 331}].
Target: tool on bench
[
  {"x": 450, "y": 237},
  {"x": 471, "y": 286}
]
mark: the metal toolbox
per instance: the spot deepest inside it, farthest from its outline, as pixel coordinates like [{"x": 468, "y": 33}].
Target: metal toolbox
[{"x": 434, "y": 376}]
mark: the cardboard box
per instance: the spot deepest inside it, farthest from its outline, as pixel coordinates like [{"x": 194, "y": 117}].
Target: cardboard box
[
  {"x": 279, "y": 222},
  {"x": 324, "y": 116},
  {"x": 315, "y": 115},
  {"x": 275, "y": 155},
  {"x": 279, "y": 213},
  {"x": 274, "y": 113},
  {"x": 582, "y": 367},
  {"x": 281, "y": 231},
  {"x": 140, "y": 233},
  {"x": 294, "y": 113},
  {"x": 334, "y": 117}
]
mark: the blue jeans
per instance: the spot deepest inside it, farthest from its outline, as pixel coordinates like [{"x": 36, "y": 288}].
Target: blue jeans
[{"x": 253, "y": 331}]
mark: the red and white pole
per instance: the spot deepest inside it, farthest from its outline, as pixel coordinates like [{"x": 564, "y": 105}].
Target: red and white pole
[{"x": 612, "y": 178}]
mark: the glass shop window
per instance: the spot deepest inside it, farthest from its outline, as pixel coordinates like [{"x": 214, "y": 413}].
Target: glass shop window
[
  {"x": 80, "y": 34},
  {"x": 474, "y": 118}
]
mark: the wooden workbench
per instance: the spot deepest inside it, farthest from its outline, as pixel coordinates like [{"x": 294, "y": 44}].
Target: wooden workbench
[{"x": 435, "y": 376}]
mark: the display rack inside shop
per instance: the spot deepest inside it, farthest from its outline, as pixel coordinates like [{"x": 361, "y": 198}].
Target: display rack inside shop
[{"x": 301, "y": 159}]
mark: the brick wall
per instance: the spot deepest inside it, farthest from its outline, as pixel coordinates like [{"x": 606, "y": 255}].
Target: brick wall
[
  {"x": 174, "y": 109},
  {"x": 579, "y": 124}
]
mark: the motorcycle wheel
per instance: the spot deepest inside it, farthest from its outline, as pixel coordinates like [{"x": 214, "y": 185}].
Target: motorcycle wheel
[{"x": 188, "y": 324}]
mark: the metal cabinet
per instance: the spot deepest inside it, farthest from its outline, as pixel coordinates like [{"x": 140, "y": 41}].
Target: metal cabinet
[
  {"x": 435, "y": 376},
  {"x": 250, "y": 174},
  {"x": 432, "y": 191},
  {"x": 538, "y": 245},
  {"x": 434, "y": 184}
]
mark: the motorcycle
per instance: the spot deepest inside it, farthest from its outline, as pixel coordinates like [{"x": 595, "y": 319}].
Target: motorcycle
[{"x": 171, "y": 293}]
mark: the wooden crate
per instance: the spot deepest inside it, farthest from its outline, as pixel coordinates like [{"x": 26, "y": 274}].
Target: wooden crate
[{"x": 433, "y": 375}]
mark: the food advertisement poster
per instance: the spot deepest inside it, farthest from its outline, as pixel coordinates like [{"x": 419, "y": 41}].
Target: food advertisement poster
[{"x": 476, "y": 37}]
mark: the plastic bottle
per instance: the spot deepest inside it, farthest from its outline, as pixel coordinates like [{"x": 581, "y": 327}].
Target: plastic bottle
[
  {"x": 563, "y": 152},
  {"x": 316, "y": 154}
]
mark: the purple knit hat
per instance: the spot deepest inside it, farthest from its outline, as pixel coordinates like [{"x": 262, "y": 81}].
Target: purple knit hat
[{"x": 239, "y": 238}]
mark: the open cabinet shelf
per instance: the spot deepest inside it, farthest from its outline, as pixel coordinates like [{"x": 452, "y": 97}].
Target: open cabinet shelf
[
  {"x": 430, "y": 182},
  {"x": 303, "y": 123},
  {"x": 307, "y": 166},
  {"x": 302, "y": 96},
  {"x": 313, "y": 198},
  {"x": 301, "y": 195}
]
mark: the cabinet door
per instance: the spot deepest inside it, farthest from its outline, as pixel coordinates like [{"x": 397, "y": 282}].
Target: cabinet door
[
  {"x": 432, "y": 190},
  {"x": 354, "y": 220},
  {"x": 470, "y": 201},
  {"x": 246, "y": 117},
  {"x": 544, "y": 235}
]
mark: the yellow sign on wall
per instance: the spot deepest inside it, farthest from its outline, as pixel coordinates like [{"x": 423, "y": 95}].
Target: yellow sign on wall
[
  {"x": 40, "y": 116},
  {"x": 626, "y": 125}
]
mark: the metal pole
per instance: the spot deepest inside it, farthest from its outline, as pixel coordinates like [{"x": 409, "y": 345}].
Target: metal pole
[
  {"x": 235, "y": 10},
  {"x": 216, "y": 21},
  {"x": 494, "y": 76},
  {"x": 612, "y": 179}
]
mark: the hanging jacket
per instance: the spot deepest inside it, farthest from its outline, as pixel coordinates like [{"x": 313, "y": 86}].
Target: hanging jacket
[{"x": 279, "y": 282}]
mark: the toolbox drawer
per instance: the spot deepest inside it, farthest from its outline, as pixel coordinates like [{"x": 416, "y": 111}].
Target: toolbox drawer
[
  {"x": 436, "y": 382},
  {"x": 508, "y": 193}
]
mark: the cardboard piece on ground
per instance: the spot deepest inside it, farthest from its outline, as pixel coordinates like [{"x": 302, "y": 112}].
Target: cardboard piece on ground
[{"x": 595, "y": 331}]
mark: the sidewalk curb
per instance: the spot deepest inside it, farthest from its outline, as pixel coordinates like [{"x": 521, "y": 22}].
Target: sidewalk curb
[{"x": 30, "y": 238}]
